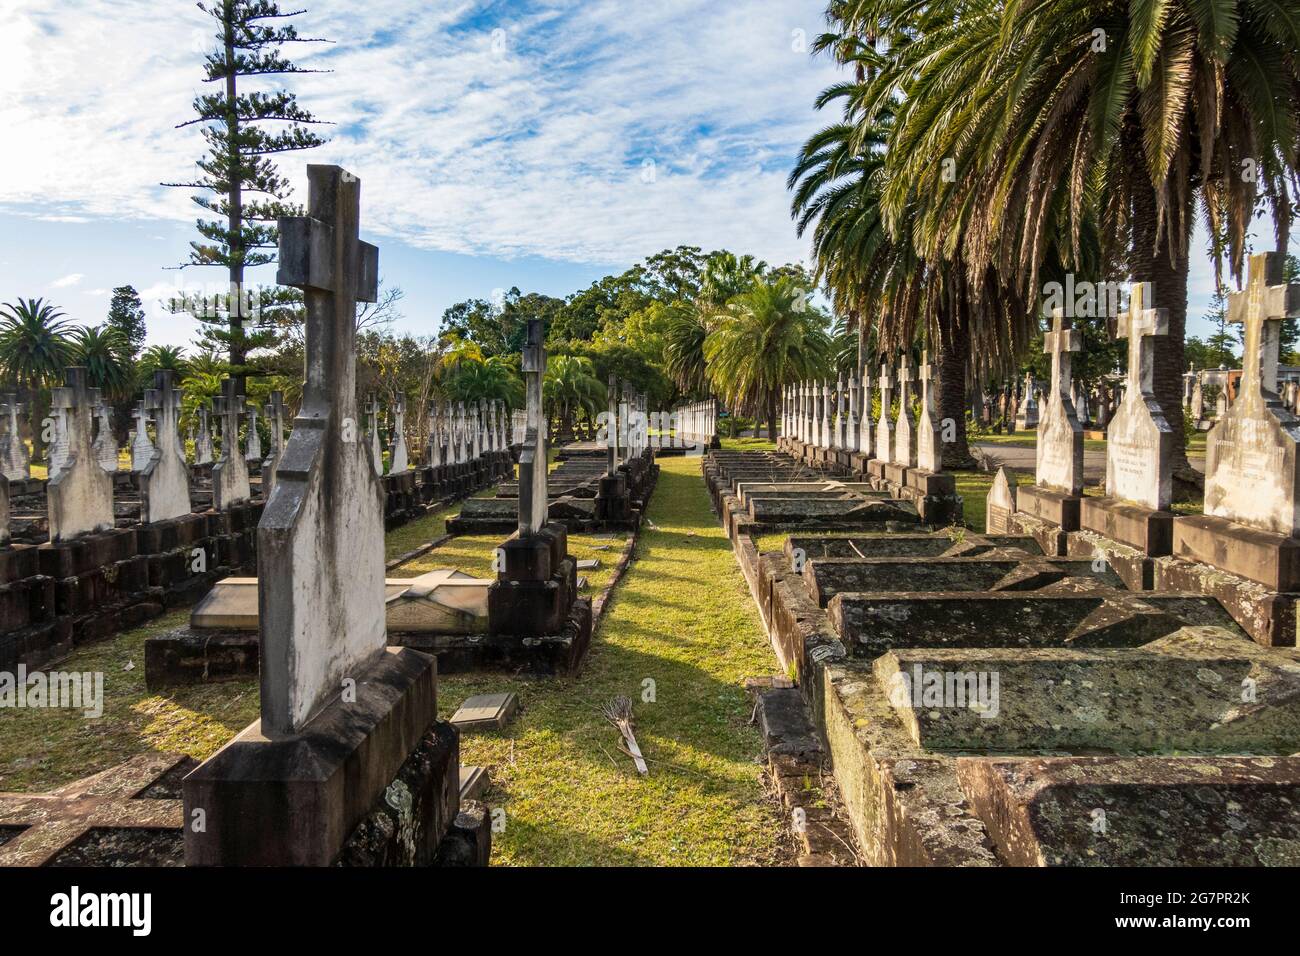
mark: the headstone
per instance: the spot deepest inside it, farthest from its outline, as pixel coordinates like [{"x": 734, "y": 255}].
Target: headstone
[
  {"x": 105, "y": 443},
  {"x": 433, "y": 452},
  {"x": 80, "y": 492},
  {"x": 929, "y": 448},
  {"x": 824, "y": 428},
  {"x": 533, "y": 458},
  {"x": 1001, "y": 503},
  {"x": 1252, "y": 479},
  {"x": 905, "y": 424},
  {"x": 398, "y": 460},
  {"x": 230, "y": 484},
  {"x": 165, "y": 478},
  {"x": 275, "y": 423},
  {"x": 1060, "y": 436},
  {"x": 1197, "y": 407},
  {"x": 884, "y": 429},
  {"x": 852, "y": 435},
  {"x": 840, "y": 438},
  {"x": 1140, "y": 441},
  {"x": 485, "y": 712},
  {"x": 372, "y": 433},
  {"x": 203, "y": 450},
  {"x": 1027, "y": 412},
  {"x": 15, "y": 464},
  {"x": 611, "y": 426},
  {"x": 253, "y": 447},
  {"x": 141, "y": 446},
  {"x": 4, "y": 511},
  {"x": 865, "y": 447}
]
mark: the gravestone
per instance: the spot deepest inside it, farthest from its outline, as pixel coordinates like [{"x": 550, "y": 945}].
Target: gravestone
[
  {"x": 230, "y": 474},
  {"x": 105, "y": 443},
  {"x": 824, "y": 439},
  {"x": 1027, "y": 412},
  {"x": 253, "y": 447},
  {"x": 4, "y": 511},
  {"x": 433, "y": 450},
  {"x": 80, "y": 492},
  {"x": 905, "y": 423},
  {"x": 341, "y": 712},
  {"x": 275, "y": 423},
  {"x": 203, "y": 444},
  {"x": 141, "y": 446},
  {"x": 165, "y": 477},
  {"x": 840, "y": 436},
  {"x": 398, "y": 459},
  {"x": 884, "y": 428},
  {"x": 372, "y": 433},
  {"x": 929, "y": 436},
  {"x": 851, "y": 433},
  {"x": 1197, "y": 406},
  {"x": 865, "y": 447},
  {"x": 1139, "y": 444},
  {"x": 1058, "y": 478},
  {"x": 15, "y": 463},
  {"x": 1251, "y": 524},
  {"x": 1001, "y": 503}
]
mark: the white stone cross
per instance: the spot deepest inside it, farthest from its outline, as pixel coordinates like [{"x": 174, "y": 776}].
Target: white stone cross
[
  {"x": 1260, "y": 309},
  {"x": 399, "y": 458},
  {"x": 929, "y": 441},
  {"x": 165, "y": 478},
  {"x": 141, "y": 446},
  {"x": 79, "y": 494},
  {"x": 275, "y": 424},
  {"x": 1140, "y": 325},
  {"x": 1060, "y": 437},
  {"x": 230, "y": 485},
  {"x": 533, "y": 500}
]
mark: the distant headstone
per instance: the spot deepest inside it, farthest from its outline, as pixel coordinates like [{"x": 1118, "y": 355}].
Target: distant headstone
[
  {"x": 398, "y": 459},
  {"x": 433, "y": 450},
  {"x": 884, "y": 429},
  {"x": 80, "y": 493},
  {"x": 105, "y": 443},
  {"x": 533, "y": 458},
  {"x": 141, "y": 446},
  {"x": 165, "y": 478},
  {"x": 372, "y": 433},
  {"x": 15, "y": 464},
  {"x": 203, "y": 450},
  {"x": 1000, "y": 504},
  {"x": 275, "y": 424},
  {"x": 253, "y": 447},
  {"x": 230, "y": 474},
  {"x": 1027, "y": 411},
  {"x": 905, "y": 424},
  {"x": 929, "y": 447},
  {"x": 1060, "y": 436},
  {"x": 1140, "y": 440},
  {"x": 865, "y": 446}
]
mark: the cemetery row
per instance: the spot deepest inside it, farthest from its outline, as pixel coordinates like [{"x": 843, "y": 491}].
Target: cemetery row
[{"x": 1093, "y": 681}]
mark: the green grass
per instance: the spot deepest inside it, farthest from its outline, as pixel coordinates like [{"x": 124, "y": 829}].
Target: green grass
[
  {"x": 681, "y": 618},
  {"x": 748, "y": 444}
]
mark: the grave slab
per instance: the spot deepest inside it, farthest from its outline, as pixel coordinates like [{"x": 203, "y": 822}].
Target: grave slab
[{"x": 485, "y": 712}]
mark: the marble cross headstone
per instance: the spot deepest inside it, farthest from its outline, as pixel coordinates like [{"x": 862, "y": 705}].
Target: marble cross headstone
[
  {"x": 905, "y": 424},
  {"x": 230, "y": 484},
  {"x": 1251, "y": 473},
  {"x": 203, "y": 444},
  {"x": 611, "y": 426},
  {"x": 884, "y": 428},
  {"x": 80, "y": 493},
  {"x": 165, "y": 477},
  {"x": 372, "y": 431},
  {"x": 320, "y": 543},
  {"x": 1140, "y": 441},
  {"x": 141, "y": 446},
  {"x": 253, "y": 447},
  {"x": 929, "y": 435},
  {"x": 105, "y": 443},
  {"x": 533, "y": 501},
  {"x": 1060, "y": 436},
  {"x": 275, "y": 424},
  {"x": 399, "y": 458},
  {"x": 15, "y": 463},
  {"x": 864, "y": 427},
  {"x": 851, "y": 423},
  {"x": 824, "y": 432},
  {"x": 433, "y": 453}
]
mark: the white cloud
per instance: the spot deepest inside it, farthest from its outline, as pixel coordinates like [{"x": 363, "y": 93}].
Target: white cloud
[
  {"x": 528, "y": 140},
  {"x": 67, "y": 281}
]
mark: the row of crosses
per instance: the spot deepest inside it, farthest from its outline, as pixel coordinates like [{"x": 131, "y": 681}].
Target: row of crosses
[{"x": 461, "y": 432}]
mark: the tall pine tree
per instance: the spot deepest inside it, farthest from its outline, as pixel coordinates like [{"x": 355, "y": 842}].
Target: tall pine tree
[
  {"x": 126, "y": 316},
  {"x": 243, "y": 188}
]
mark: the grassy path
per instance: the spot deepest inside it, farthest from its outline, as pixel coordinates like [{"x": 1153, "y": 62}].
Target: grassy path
[{"x": 681, "y": 619}]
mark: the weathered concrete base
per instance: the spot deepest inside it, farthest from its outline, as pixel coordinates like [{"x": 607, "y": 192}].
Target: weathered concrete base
[
  {"x": 1271, "y": 559},
  {"x": 1053, "y": 507},
  {"x": 311, "y": 799},
  {"x": 1151, "y": 532},
  {"x": 562, "y": 652},
  {"x": 1267, "y": 616}
]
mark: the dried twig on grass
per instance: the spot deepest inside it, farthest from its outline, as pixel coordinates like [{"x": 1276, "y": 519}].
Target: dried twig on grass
[{"x": 619, "y": 713}]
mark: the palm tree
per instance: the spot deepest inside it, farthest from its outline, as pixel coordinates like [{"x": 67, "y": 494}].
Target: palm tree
[
  {"x": 472, "y": 380},
  {"x": 767, "y": 338},
  {"x": 34, "y": 351},
  {"x": 1054, "y": 112},
  {"x": 162, "y": 358},
  {"x": 727, "y": 275},
  {"x": 102, "y": 351},
  {"x": 685, "y": 329},
  {"x": 570, "y": 388}
]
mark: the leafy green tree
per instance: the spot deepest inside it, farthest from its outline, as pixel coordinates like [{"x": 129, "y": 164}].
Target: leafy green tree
[
  {"x": 499, "y": 330},
  {"x": 766, "y": 338},
  {"x": 103, "y": 352},
  {"x": 244, "y": 131},
  {"x": 34, "y": 351},
  {"x": 126, "y": 317}
]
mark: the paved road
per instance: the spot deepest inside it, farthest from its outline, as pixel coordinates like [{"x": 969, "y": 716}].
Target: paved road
[{"x": 1023, "y": 460}]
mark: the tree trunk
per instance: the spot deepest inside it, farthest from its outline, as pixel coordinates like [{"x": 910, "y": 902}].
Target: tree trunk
[
  {"x": 1150, "y": 261},
  {"x": 235, "y": 218},
  {"x": 954, "y": 354}
]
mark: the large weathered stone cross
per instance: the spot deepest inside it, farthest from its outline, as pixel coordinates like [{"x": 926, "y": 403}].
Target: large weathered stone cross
[
  {"x": 1140, "y": 325},
  {"x": 1059, "y": 343},
  {"x": 905, "y": 379},
  {"x": 164, "y": 402},
  {"x": 533, "y": 502},
  {"x": 927, "y": 377},
  {"x": 231, "y": 410},
  {"x": 321, "y": 254},
  {"x": 1260, "y": 309},
  {"x": 76, "y": 401}
]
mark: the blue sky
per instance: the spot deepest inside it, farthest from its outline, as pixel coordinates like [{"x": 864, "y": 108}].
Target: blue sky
[{"x": 539, "y": 144}]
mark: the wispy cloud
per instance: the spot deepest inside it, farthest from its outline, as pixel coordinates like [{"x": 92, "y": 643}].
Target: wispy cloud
[
  {"x": 66, "y": 282},
  {"x": 583, "y": 131}
]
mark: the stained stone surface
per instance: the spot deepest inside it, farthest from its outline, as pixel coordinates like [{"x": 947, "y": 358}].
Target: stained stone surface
[
  {"x": 937, "y": 545},
  {"x": 828, "y": 577},
  {"x": 1060, "y": 436},
  {"x": 165, "y": 478},
  {"x": 1000, "y": 503},
  {"x": 486, "y": 711},
  {"x": 80, "y": 492},
  {"x": 230, "y": 485}
]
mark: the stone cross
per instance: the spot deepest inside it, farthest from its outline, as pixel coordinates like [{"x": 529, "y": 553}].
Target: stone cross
[
  {"x": 203, "y": 444},
  {"x": 165, "y": 477},
  {"x": 372, "y": 430},
  {"x": 320, "y": 543},
  {"x": 884, "y": 428},
  {"x": 851, "y": 435},
  {"x": 4, "y": 512},
  {"x": 105, "y": 443},
  {"x": 1251, "y": 471},
  {"x": 230, "y": 484},
  {"x": 840, "y": 436},
  {"x": 399, "y": 460},
  {"x": 433, "y": 453},
  {"x": 275, "y": 423},
  {"x": 141, "y": 446},
  {"x": 824, "y": 439},
  {"x": 929, "y": 437},
  {"x": 533, "y": 459},
  {"x": 253, "y": 448},
  {"x": 15, "y": 464},
  {"x": 476, "y": 413},
  {"x": 80, "y": 493},
  {"x": 905, "y": 424},
  {"x": 1060, "y": 436},
  {"x": 1139, "y": 440},
  {"x": 611, "y": 426},
  {"x": 864, "y": 426}
]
